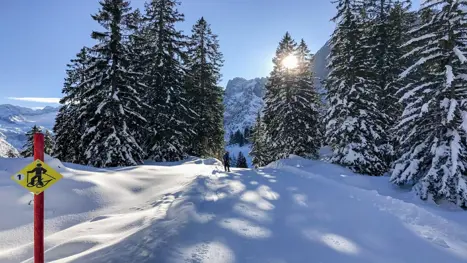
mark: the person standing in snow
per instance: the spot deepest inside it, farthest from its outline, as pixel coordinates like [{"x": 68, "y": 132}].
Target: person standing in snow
[{"x": 226, "y": 159}]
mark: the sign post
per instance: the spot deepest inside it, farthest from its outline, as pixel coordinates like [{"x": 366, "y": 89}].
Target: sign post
[
  {"x": 36, "y": 177},
  {"x": 39, "y": 205}
]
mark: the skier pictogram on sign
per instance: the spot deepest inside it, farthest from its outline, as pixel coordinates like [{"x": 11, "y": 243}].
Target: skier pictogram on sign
[{"x": 36, "y": 177}]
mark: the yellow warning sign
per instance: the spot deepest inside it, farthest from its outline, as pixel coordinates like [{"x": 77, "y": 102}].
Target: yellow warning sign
[{"x": 36, "y": 177}]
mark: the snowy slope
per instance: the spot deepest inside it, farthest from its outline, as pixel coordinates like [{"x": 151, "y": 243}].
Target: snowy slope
[
  {"x": 294, "y": 210},
  {"x": 15, "y": 121},
  {"x": 6, "y": 148},
  {"x": 242, "y": 101},
  {"x": 89, "y": 209}
]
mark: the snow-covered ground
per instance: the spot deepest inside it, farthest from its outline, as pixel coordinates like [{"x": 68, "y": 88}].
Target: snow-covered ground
[{"x": 293, "y": 210}]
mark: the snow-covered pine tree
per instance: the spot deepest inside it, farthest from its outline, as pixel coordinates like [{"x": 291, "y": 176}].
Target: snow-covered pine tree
[
  {"x": 49, "y": 142},
  {"x": 28, "y": 148},
  {"x": 112, "y": 94},
  {"x": 69, "y": 127},
  {"x": 277, "y": 98},
  {"x": 432, "y": 130},
  {"x": 388, "y": 24},
  {"x": 354, "y": 124},
  {"x": 241, "y": 161},
  {"x": 258, "y": 147},
  {"x": 304, "y": 105},
  {"x": 401, "y": 21},
  {"x": 169, "y": 133},
  {"x": 292, "y": 105},
  {"x": 204, "y": 61}
]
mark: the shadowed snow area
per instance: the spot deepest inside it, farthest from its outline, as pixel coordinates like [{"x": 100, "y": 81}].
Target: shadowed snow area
[{"x": 294, "y": 210}]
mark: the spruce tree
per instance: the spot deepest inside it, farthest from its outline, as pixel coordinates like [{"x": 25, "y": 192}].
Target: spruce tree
[
  {"x": 388, "y": 25},
  {"x": 204, "y": 61},
  {"x": 354, "y": 123},
  {"x": 241, "y": 161},
  {"x": 258, "y": 147},
  {"x": 28, "y": 148},
  {"x": 69, "y": 123},
  {"x": 49, "y": 142},
  {"x": 169, "y": 133},
  {"x": 112, "y": 93},
  {"x": 292, "y": 104},
  {"x": 277, "y": 98},
  {"x": 304, "y": 129},
  {"x": 233, "y": 161},
  {"x": 431, "y": 131}
]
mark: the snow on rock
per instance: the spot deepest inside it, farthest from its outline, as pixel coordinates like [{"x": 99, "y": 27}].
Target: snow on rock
[
  {"x": 15, "y": 121},
  {"x": 320, "y": 71},
  {"x": 242, "y": 101}
]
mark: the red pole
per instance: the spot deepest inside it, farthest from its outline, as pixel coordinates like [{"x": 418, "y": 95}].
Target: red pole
[{"x": 39, "y": 205}]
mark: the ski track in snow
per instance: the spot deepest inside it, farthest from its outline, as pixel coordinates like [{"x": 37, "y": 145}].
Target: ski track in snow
[{"x": 293, "y": 210}]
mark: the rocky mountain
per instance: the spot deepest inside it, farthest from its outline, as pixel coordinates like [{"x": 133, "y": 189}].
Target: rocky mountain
[
  {"x": 319, "y": 67},
  {"x": 15, "y": 121},
  {"x": 242, "y": 101},
  {"x": 244, "y": 98}
]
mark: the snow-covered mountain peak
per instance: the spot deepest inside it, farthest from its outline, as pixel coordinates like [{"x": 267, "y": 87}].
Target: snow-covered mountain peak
[{"x": 243, "y": 99}]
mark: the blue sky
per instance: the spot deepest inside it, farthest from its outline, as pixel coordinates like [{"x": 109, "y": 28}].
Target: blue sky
[{"x": 40, "y": 37}]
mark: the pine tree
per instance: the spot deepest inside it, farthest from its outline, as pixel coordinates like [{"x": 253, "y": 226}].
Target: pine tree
[
  {"x": 258, "y": 147},
  {"x": 169, "y": 134},
  {"x": 241, "y": 161},
  {"x": 304, "y": 130},
  {"x": 205, "y": 96},
  {"x": 48, "y": 142},
  {"x": 354, "y": 124},
  {"x": 28, "y": 148},
  {"x": 277, "y": 98},
  {"x": 388, "y": 23},
  {"x": 233, "y": 161},
  {"x": 247, "y": 135},
  {"x": 112, "y": 93},
  {"x": 69, "y": 123},
  {"x": 431, "y": 131},
  {"x": 291, "y": 110}
]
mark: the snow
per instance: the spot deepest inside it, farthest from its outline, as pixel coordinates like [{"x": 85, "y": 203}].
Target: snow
[
  {"x": 293, "y": 210},
  {"x": 449, "y": 76},
  {"x": 460, "y": 55}
]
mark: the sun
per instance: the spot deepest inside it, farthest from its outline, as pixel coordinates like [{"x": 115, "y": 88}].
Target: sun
[{"x": 290, "y": 62}]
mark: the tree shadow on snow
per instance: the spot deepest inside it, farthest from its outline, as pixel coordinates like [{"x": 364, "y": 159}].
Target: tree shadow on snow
[{"x": 268, "y": 216}]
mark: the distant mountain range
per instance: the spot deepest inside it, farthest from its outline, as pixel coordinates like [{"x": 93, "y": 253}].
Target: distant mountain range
[{"x": 15, "y": 121}]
